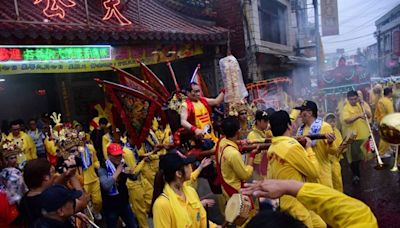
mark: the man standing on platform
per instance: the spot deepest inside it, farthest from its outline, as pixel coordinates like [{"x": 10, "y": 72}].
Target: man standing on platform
[
  {"x": 314, "y": 125},
  {"x": 384, "y": 107},
  {"x": 196, "y": 112},
  {"x": 354, "y": 120}
]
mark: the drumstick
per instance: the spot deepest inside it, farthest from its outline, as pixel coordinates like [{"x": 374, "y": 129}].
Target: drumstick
[
  {"x": 93, "y": 224},
  {"x": 90, "y": 213}
]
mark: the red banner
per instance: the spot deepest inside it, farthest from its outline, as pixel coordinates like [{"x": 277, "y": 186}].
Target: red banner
[{"x": 136, "y": 110}]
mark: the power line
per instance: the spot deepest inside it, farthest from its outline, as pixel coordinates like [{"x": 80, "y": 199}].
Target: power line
[{"x": 354, "y": 38}]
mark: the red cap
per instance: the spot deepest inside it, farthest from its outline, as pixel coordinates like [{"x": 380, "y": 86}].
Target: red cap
[{"x": 114, "y": 149}]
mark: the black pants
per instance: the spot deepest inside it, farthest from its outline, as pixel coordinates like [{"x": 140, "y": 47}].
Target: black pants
[{"x": 355, "y": 168}]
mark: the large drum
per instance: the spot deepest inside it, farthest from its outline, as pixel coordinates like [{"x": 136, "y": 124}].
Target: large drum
[
  {"x": 389, "y": 128},
  {"x": 238, "y": 209}
]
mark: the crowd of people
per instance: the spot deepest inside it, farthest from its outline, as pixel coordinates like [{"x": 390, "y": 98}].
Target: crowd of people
[{"x": 56, "y": 174}]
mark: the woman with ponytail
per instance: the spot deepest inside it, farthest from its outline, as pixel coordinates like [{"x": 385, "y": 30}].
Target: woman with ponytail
[{"x": 175, "y": 204}]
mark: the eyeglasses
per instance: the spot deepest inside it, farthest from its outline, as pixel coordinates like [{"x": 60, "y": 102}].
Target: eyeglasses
[{"x": 243, "y": 113}]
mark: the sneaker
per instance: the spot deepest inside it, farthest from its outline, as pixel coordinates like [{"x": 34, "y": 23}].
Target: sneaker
[
  {"x": 356, "y": 180},
  {"x": 386, "y": 155},
  {"x": 97, "y": 216}
]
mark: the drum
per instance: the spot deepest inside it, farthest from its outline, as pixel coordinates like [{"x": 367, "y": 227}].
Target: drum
[{"x": 238, "y": 209}]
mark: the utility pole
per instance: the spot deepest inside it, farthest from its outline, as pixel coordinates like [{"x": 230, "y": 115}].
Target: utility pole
[
  {"x": 317, "y": 39},
  {"x": 378, "y": 37}
]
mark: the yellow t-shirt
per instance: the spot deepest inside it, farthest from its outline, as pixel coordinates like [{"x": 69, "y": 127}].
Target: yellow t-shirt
[
  {"x": 131, "y": 162},
  {"x": 288, "y": 160},
  {"x": 89, "y": 175},
  {"x": 337, "y": 142},
  {"x": 256, "y": 135},
  {"x": 383, "y": 108},
  {"x": 359, "y": 126},
  {"x": 336, "y": 208},
  {"x": 233, "y": 169},
  {"x": 191, "y": 208},
  {"x": 106, "y": 141},
  {"x": 323, "y": 150}
]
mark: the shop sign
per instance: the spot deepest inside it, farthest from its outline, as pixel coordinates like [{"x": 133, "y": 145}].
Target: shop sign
[
  {"x": 75, "y": 59},
  {"x": 31, "y": 54}
]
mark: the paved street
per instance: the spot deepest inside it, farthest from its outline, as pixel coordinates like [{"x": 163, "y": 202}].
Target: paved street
[{"x": 378, "y": 189}]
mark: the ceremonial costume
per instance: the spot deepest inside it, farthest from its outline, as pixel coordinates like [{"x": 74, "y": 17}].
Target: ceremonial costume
[
  {"x": 27, "y": 146},
  {"x": 322, "y": 150},
  {"x": 335, "y": 162},
  {"x": 338, "y": 210},
  {"x": 171, "y": 210},
  {"x": 51, "y": 149},
  {"x": 199, "y": 115},
  {"x": 383, "y": 108},
  {"x": 261, "y": 158},
  {"x": 140, "y": 190},
  {"x": 150, "y": 168},
  {"x": 288, "y": 160},
  {"x": 91, "y": 181}
]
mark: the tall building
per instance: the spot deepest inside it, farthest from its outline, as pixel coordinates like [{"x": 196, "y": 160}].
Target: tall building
[
  {"x": 388, "y": 37},
  {"x": 42, "y": 76},
  {"x": 270, "y": 38}
]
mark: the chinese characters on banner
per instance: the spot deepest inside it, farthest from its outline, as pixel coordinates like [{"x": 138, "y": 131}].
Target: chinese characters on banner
[
  {"x": 329, "y": 17},
  {"x": 57, "y": 8},
  {"x": 70, "y": 59},
  {"x": 32, "y": 54}
]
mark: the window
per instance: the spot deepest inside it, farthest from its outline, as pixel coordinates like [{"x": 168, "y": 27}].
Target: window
[
  {"x": 273, "y": 21},
  {"x": 387, "y": 43}
]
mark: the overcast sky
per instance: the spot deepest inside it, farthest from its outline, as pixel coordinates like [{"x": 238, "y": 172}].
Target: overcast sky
[{"x": 357, "y": 24}]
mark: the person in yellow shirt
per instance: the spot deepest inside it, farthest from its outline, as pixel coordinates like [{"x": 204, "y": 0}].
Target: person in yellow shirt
[
  {"x": 27, "y": 145},
  {"x": 230, "y": 166},
  {"x": 335, "y": 159},
  {"x": 313, "y": 125},
  {"x": 150, "y": 151},
  {"x": 174, "y": 203},
  {"x": 106, "y": 140},
  {"x": 91, "y": 182},
  {"x": 375, "y": 94},
  {"x": 336, "y": 208},
  {"x": 354, "y": 120},
  {"x": 196, "y": 112},
  {"x": 287, "y": 159},
  {"x": 383, "y": 108},
  {"x": 260, "y": 133},
  {"x": 140, "y": 190}
]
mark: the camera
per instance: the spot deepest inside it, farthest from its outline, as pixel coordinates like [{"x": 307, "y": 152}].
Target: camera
[{"x": 61, "y": 164}]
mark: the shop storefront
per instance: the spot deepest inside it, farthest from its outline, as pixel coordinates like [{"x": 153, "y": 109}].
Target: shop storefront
[{"x": 50, "y": 56}]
